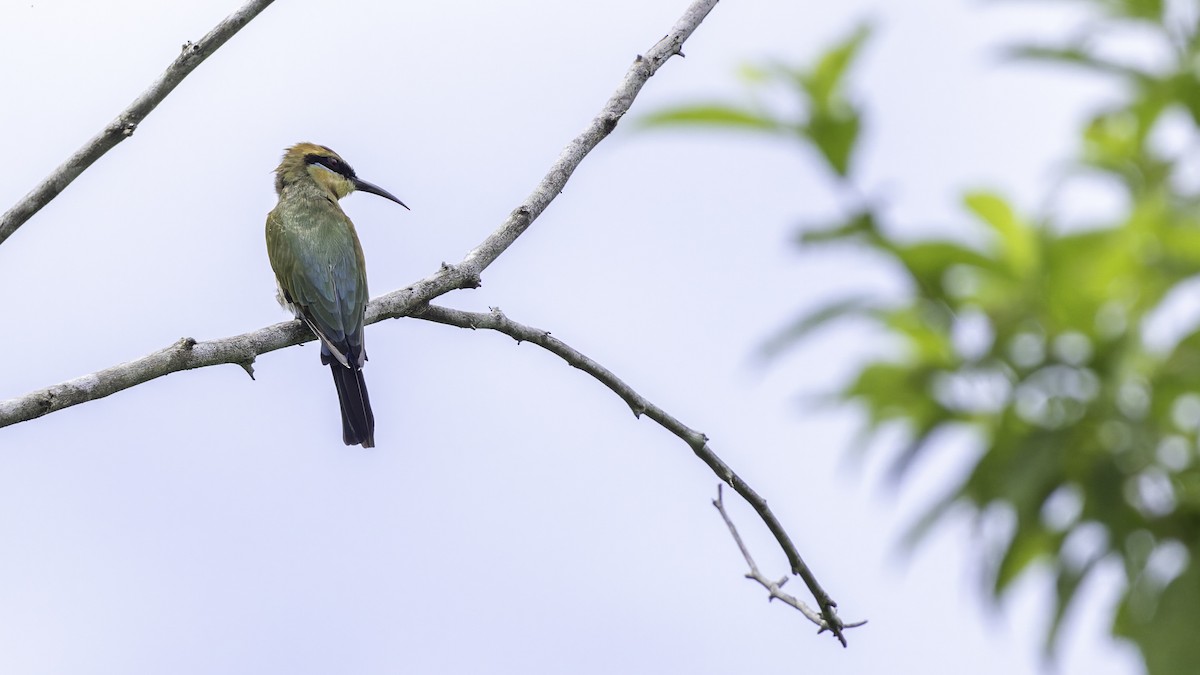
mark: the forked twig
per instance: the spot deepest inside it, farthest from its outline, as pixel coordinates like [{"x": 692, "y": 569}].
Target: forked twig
[{"x": 773, "y": 587}]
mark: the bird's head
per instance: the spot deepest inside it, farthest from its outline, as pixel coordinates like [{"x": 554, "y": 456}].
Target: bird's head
[{"x": 324, "y": 167}]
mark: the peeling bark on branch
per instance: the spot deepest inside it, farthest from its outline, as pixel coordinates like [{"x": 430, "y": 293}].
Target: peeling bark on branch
[{"x": 192, "y": 54}]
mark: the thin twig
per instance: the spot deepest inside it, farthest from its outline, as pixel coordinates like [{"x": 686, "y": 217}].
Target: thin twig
[
  {"x": 698, "y": 442},
  {"x": 243, "y": 349},
  {"x": 192, "y": 55},
  {"x": 774, "y": 587}
]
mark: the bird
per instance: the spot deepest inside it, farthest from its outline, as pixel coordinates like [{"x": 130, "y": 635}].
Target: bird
[{"x": 320, "y": 270}]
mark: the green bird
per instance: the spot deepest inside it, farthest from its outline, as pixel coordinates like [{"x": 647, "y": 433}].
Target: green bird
[{"x": 320, "y": 270}]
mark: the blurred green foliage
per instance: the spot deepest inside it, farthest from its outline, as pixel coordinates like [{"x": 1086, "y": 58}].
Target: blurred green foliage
[{"x": 1034, "y": 340}]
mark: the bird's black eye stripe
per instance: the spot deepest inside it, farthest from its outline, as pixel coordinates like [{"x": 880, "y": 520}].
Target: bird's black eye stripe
[{"x": 332, "y": 163}]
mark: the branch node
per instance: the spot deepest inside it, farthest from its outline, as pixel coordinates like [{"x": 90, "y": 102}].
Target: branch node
[
  {"x": 677, "y": 46},
  {"x": 466, "y": 277},
  {"x": 248, "y": 366}
]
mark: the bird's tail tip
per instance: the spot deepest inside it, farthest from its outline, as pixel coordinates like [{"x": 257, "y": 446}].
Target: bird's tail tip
[{"x": 358, "y": 422}]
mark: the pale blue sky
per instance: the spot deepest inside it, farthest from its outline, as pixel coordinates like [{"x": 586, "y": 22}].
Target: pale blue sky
[{"x": 514, "y": 518}]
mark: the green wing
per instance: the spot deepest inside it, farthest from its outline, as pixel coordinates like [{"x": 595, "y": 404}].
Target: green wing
[{"x": 318, "y": 263}]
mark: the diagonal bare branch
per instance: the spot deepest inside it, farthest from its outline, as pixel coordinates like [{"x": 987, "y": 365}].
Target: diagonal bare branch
[
  {"x": 192, "y": 55},
  {"x": 698, "y": 442},
  {"x": 242, "y": 349},
  {"x": 467, "y": 273}
]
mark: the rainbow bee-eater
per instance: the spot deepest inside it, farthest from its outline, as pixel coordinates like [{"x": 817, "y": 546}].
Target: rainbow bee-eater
[{"x": 322, "y": 276}]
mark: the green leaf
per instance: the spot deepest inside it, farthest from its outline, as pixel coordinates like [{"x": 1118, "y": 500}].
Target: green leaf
[
  {"x": 886, "y": 391},
  {"x": 835, "y": 134},
  {"x": 857, "y": 225},
  {"x": 1075, "y": 56},
  {"x": 711, "y": 115},
  {"x": 1029, "y": 544},
  {"x": 799, "y": 329},
  {"x": 1150, "y": 10},
  {"x": 915, "y": 446},
  {"x": 1066, "y": 584},
  {"x": 1187, "y": 90},
  {"x": 1166, "y": 630},
  {"x": 824, "y": 82},
  {"x": 925, "y": 329},
  {"x": 754, "y": 74},
  {"x": 833, "y": 123},
  {"x": 942, "y": 509},
  {"x": 1018, "y": 240},
  {"x": 928, "y": 262}
]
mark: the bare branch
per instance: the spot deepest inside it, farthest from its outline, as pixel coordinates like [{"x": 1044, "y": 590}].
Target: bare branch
[
  {"x": 698, "y": 442},
  {"x": 467, "y": 273},
  {"x": 243, "y": 349},
  {"x": 184, "y": 354},
  {"x": 773, "y": 587},
  {"x": 193, "y": 54}
]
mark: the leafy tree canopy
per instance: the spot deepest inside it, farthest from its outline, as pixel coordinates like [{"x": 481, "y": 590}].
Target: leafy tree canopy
[{"x": 1090, "y": 431}]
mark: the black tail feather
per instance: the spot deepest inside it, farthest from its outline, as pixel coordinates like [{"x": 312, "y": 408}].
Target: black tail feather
[{"x": 358, "y": 422}]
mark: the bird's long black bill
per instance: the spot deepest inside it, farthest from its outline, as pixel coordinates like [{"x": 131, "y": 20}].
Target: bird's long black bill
[
  {"x": 358, "y": 422},
  {"x": 360, "y": 184}
]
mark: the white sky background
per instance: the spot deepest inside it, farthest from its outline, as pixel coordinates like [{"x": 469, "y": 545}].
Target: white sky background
[{"x": 514, "y": 517}]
